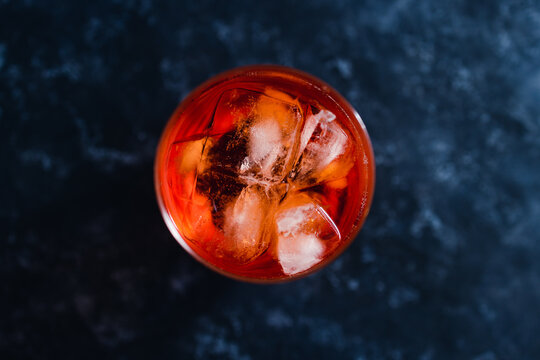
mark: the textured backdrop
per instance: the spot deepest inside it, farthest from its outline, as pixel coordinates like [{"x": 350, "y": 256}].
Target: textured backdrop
[{"x": 446, "y": 267}]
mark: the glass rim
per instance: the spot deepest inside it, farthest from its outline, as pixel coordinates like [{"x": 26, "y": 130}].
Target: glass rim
[{"x": 268, "y": 70}]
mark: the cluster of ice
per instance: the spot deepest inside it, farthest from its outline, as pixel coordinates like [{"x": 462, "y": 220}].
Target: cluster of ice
[
  {"x": 279, "y": 143},
  {"x": 271, "y": 138},
  {"x": 243, "y": 227}
]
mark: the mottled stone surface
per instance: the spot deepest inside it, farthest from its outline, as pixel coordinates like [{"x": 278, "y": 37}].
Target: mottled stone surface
[{"x": 446, "y": 267}]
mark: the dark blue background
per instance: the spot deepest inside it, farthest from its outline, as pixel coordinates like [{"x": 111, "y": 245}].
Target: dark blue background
[{"x": 446, "y": 267}]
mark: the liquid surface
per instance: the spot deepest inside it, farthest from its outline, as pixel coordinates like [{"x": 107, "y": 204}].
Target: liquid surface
[{"x": 262, "y": 182}]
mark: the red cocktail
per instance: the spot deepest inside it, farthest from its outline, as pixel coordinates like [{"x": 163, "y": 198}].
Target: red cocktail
[{"x": 264, "y": 173}]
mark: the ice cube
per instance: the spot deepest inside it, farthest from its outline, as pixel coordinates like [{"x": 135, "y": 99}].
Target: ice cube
[
  {"x": 233, "y": 180},
  {"x": 310, "y": 125},
  {"x": 244, "y": 221},
  {"x": 254, "y": 134},
  {"x": 192, "y": 155},
  {"x": 301, "y": 253},
  {"x": 324, "y": 150},
  {"x": 265, "y": 145},
  {"x": 271, "y": 138},
  {"x": 304, "y": 233},
  {"x": 185, "y": 160},
  {"x": 197, "y": 218},
  {"x": 193, "y": 209}
]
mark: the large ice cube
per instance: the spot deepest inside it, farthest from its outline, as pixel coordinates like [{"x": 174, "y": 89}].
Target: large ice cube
[
  {"x": 232, "y": 180},
  {"x": 185, "y": 163},
  {"x": 198, "y": 219},
  {"x": 244, "y": 223},
  {"x": 304, "y": 232},
  {"x": 271, "y": 134},
  {"x": 324, "y": 151},
  {"x": 265, "y": 145},
  {"x": 193, "y": 155},
  {"x": 206, "y": 185},
  {"x": 255, "y": 134},
  {"x": 192, "y": 209}
]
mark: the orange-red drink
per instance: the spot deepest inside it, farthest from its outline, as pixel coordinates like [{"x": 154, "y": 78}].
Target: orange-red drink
[{"x": 264, "y": 173}]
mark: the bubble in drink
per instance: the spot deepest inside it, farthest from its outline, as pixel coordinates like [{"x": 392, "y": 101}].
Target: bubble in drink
[{"x": 264, "y": 173}]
